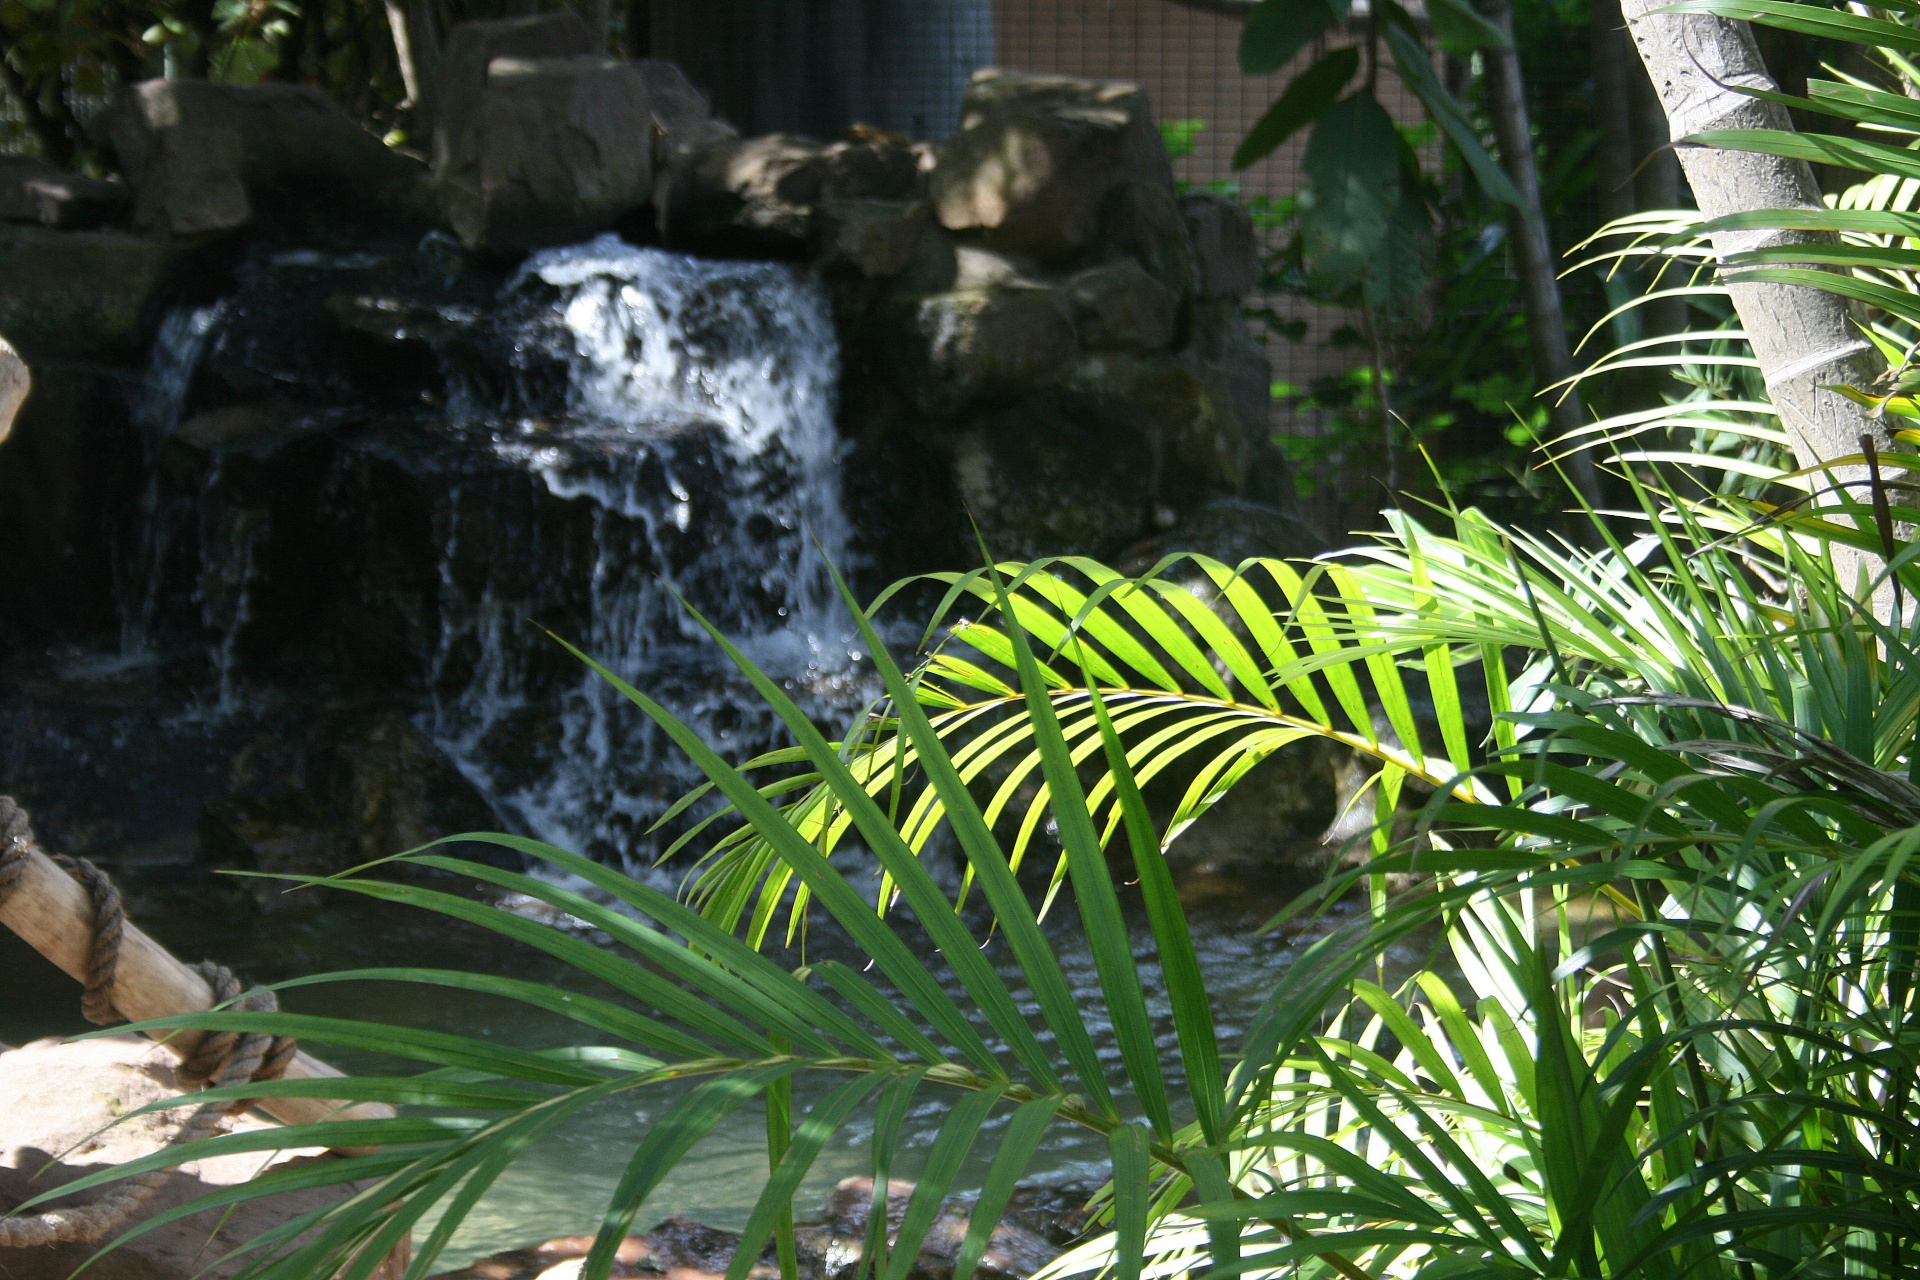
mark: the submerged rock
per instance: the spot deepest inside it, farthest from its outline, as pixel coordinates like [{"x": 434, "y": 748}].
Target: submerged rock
[{"x": 1028, "y": 1237}]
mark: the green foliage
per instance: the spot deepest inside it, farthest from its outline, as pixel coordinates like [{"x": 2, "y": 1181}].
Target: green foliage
[{"x": 1677, "y": 877}]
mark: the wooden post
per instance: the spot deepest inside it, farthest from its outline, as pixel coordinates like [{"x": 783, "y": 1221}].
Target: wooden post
[{"x": 52, "y": 912}]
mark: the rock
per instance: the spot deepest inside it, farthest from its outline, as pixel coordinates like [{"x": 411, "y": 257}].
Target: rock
[
  {"x": 1036, "y": 155},
  {"x": 1185, "y": 409},
  {"x": 673, "y": 100},
  {"x": 1270, "y": 829},
  {"x": 727, "y": 194},
  {"x": 978, "y": 268},
  {"x": 59, "y": 1124},
  {"x": 872, "y": 166},
  {"x": 31, "y": 191},
  {"x": 746, "y": 194},
  {"x": 1052, "y": 476},
  {"x": 351, "y": 788},
  {"x": 1141, "y": 220},
  {"x": 1120, "y": 307},
  {"x": 1220, "y": 342},
  {"x": 470, "y": 49},
  {"x": 79, "y": 294},
  {"x": 1225, "y": 249},
  {"x": 15, "y": 381},
  {"x": 205, "y": 157},
  {"x": 1014, "y": 1252},
  {"x": 977, "y": 340},
  {"x": 1230, "y": 530},
  {"x": 563, "y": 148},
  {"x": 877, "y": 238}
]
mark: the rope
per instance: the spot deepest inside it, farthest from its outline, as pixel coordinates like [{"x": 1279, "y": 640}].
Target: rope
[{"x": 220, "y": 1058}]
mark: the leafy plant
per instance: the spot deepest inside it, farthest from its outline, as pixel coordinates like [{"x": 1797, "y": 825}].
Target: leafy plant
[{"x": 1678, "y": 878}]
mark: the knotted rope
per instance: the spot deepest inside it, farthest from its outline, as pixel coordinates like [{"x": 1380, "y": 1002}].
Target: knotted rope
[{"x": 220, "y": 1058}]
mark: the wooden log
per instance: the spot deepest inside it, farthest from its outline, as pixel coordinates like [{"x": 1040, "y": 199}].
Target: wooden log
[{"x": 51, "y": 911}]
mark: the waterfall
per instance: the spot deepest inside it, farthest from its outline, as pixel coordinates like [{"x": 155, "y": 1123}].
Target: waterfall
[
  {"x": 388, "y": 477},
  {"x": 699, "y": 437}
]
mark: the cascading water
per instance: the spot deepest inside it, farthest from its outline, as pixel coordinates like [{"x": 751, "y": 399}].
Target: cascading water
[
  {"x": 401, "y": 470},
  {"x": 699, "y": 436}
]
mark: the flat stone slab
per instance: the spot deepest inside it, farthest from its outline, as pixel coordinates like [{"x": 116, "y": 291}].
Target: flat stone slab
[{"x": 58, "y": 1102}]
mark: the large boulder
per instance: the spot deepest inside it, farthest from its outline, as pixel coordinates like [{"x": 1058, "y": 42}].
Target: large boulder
[
  {"x": 206, "y": 157},
  {"x": 978, "y": 341},
  {"x": 64, "y": 1119},
  {"x": 1052, "y": 476},
  {"x": 549, "y": 151},
  {"x": 31, "y": 191},
  {"x": 79, "y": 294},
  {"x": 765, "y": 195},
  {"x": 1036, "y": 155}
]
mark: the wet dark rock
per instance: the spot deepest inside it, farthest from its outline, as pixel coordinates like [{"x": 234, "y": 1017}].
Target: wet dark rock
[
  {"x": 1037, "y": 1222},
  {"x": 345, "y": 789},
  {"x": 1224, "y": 248},
  {"x": 80, "y": 294},
  {"x": 562, "y": 148},
  {"x": 1035, "y": 155},
  {"x": 1014, "y": 1251},
  {"x": 1230, "y": 530},
  {"x": 1122, "y": 308},
  {"x": 1051, "y": 477},
  {"x": 204, "y": 157},
  {"x": 32, "y": 191}
]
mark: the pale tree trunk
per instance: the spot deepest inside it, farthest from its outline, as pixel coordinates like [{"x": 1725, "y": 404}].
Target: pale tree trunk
[
  {"x": 1805, "y": 339},
  {"x": 1539, "y": 282},
  {"x": 416, "y": 45}
]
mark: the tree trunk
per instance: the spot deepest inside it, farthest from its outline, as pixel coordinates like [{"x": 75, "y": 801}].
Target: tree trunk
[
  {"x": 416, "y": 46},
  {"x": 1613, "y": 71},
  {"x": 817, "y": 66},
  {"x": 1539, "y": 282},
  {"x": 1805, "y": 339}
]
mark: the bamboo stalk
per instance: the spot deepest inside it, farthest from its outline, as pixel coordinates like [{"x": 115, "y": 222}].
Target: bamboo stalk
[{"x": 52, "y": 913}]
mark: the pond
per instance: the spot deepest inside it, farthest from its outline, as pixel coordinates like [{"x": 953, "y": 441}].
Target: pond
[{"x": 560, "y": 1186}]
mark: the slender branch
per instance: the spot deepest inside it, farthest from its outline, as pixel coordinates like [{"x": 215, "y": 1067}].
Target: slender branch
[{"x": 1540, "y": 285}]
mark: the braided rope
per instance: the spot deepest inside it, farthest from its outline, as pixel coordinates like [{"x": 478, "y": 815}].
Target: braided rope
[{"x": 221, "y": 1058}]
